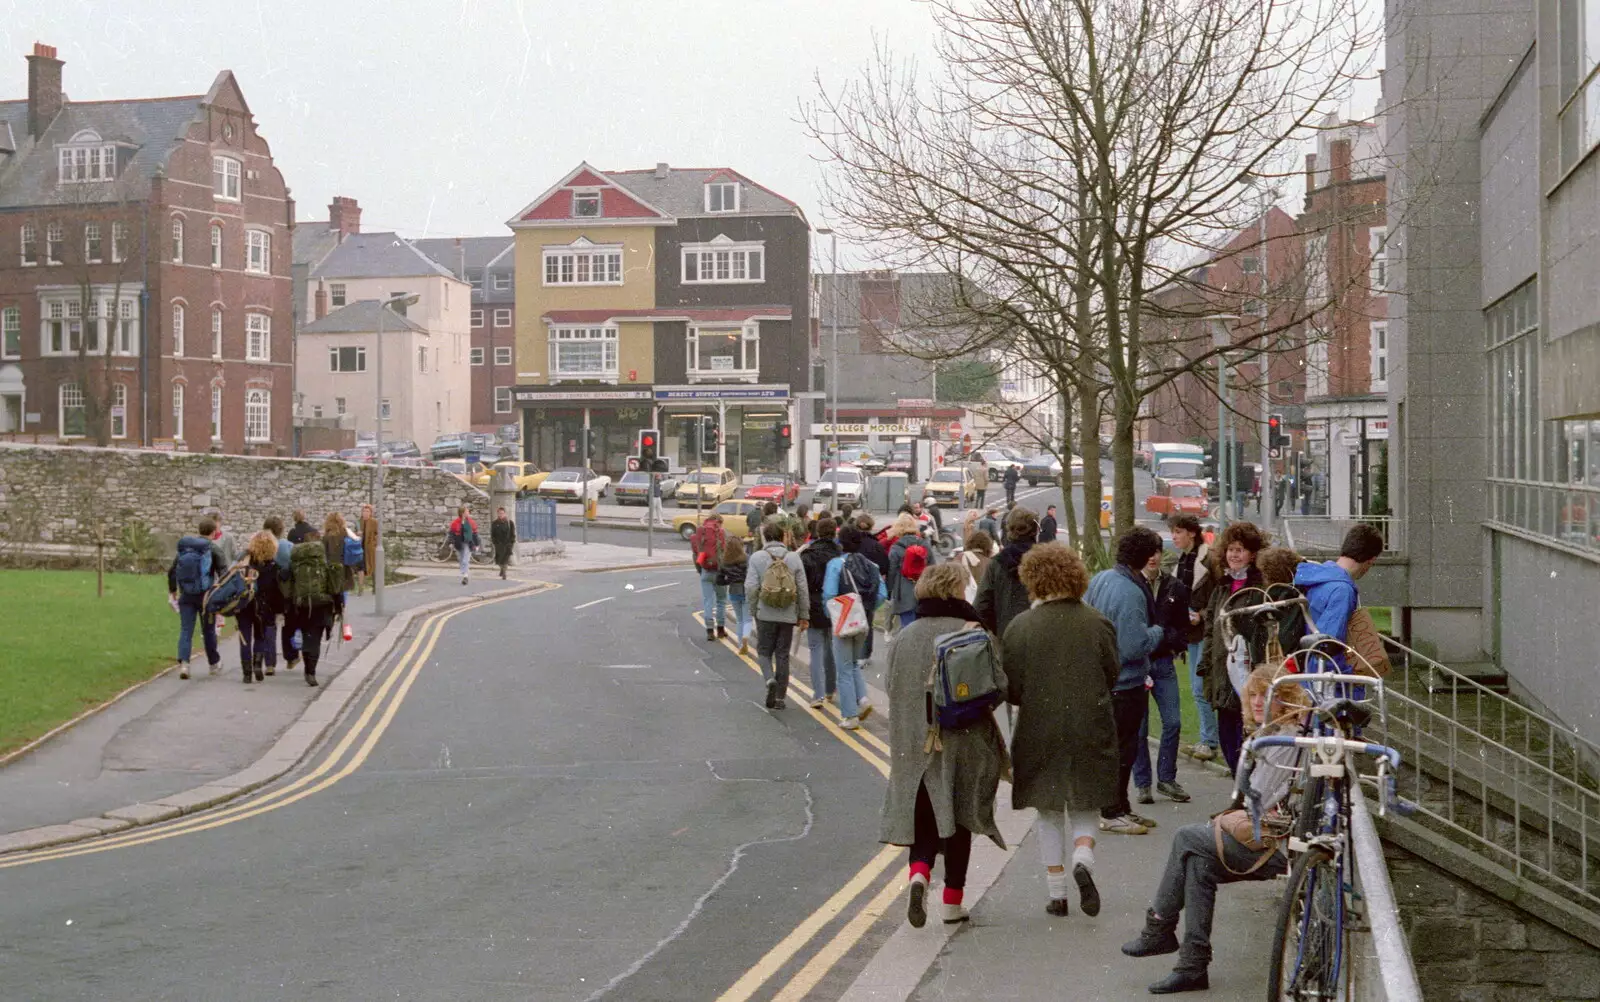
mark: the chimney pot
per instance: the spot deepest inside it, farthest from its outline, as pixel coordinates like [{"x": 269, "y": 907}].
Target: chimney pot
[
  {"x": 321, "y": 301},
  {"x": 344, "y": 216},
  {"x": 662, "y": 170},
  {"x": 1311, "y": 173},
  {"x": 44, "y": 88}
]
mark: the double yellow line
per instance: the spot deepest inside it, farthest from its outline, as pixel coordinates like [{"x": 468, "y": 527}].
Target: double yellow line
[
  {"x": 363, "y": 735},
  {"x": 876, "y": 752}
]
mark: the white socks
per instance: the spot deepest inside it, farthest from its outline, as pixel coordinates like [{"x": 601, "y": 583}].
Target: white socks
[
  {"x": 1057, "y": 884},
  {"x": 1082, "y": 855}
]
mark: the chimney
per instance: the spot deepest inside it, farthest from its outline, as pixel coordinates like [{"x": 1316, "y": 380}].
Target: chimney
[
  {"x": 344, "y": 216},
  {"x": 662, "y": 170},
  {"x": 1311, "y": 173},
  {"x": 321, "y": 300},
  {"x": 1339, "y": 161},
  {"x": 44, "y": 88},
  {"x": 461, "y": 258}
]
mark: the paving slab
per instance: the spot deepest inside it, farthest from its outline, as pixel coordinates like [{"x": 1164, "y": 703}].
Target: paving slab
[
  {"x": 200, "y": 797},
  {"x": 35, "y": 838},
  {"x": 103, "y": 825},
  {"x": 144, "y": 814}
]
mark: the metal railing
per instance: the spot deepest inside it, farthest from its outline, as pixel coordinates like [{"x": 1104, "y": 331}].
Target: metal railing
[
  {"x": 1312, "y": 533},
  {"x": 536, "y": 520},
  {"x": 1384, "y": 970},
  {"x": 1497, "y": 778}
]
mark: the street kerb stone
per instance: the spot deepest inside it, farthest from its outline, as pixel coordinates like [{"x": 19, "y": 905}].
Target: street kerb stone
[
  {"x": 144, "y": 814},
  {"x": 103, "y": 825},
  {"x": 40, "y": 838},
  {"x": 201, "y": 797}
]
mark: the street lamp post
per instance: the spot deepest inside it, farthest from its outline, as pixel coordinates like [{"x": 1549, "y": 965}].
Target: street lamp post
[
  {"x": 1221, "y": 338},
  {"x": 377, "y": 473},
  {"x": 833, "y": 331}
]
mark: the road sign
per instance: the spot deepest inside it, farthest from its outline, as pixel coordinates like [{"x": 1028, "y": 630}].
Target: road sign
[
  {"x": 633, "y": 464},
  {"x": 1277, "y": 453},
  {"x": 955, "y": 429}
]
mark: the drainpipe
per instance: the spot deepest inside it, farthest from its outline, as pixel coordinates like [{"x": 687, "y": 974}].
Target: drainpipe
[{"x": 144, "y": 327}]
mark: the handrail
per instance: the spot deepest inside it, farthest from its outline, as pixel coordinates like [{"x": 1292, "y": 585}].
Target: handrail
[
  {"x": 1396, "y": 973},
  {"x": 1326, "y": 532}
]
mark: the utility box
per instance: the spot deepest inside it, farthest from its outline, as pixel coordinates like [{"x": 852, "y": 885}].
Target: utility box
[{"x": 887, "y": 491}]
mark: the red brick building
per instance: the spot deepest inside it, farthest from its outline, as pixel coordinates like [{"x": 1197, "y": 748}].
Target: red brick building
[{"x": 144, "y": 271}]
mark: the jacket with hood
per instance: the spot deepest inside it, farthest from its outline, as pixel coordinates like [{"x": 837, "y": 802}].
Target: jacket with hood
[
  {"x": 815, "y": 559},
  {"x": 902, "y": 591},
  {"x": 1121, "y": 595},
  {"x": 874, "y": 551},
  {"x": 759, "y": 562},
  {"x": 1331, "y": 594},
  {"x": 1001, "y": 594}
]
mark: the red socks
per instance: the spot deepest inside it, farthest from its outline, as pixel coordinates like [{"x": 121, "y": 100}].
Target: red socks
[
  {"x": 925, "y": 869},
  {"x": 952, "y": 895}
]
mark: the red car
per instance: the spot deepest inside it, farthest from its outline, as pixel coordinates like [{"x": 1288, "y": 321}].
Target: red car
[
  {"x": 1187, "y": 497},
  {"x": 770, "y": 487}
]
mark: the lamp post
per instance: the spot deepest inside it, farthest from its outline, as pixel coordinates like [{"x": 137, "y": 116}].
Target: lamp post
[
  {"x": 1221, "y": 339},
  {"x": 377, "y": 474},
  {"x": 833, "y": 330}
]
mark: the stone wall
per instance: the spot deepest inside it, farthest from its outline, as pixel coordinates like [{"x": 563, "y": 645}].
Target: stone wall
[
  {"x": 55, "y": 494},
  {"x": 1470, "y": 946}
]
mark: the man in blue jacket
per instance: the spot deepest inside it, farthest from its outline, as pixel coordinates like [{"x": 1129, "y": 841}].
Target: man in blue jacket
[
  {"x": 1330, "y": 588},
  {"x": 1122, "y": 595}
]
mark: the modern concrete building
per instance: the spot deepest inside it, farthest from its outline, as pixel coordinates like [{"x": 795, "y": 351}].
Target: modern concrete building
[{"x": 1494, "y": 337}]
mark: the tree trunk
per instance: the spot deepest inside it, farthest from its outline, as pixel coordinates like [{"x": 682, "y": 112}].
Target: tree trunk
[{"x": 1093, "y": 548}]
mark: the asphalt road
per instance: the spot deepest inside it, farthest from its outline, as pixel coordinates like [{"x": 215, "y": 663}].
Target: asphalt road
[{"x": 570, "y": 796}]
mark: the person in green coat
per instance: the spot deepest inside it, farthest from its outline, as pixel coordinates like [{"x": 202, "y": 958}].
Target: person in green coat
[{"x": 1061, "y": 661}]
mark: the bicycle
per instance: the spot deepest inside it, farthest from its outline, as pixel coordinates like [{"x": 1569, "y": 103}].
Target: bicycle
[{"x": 445, "y": 553}]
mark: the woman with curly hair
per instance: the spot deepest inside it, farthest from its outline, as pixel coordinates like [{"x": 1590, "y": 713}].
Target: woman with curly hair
[
  {"x": 1233, "y": 568},
  {"x": 334, "y": 534}
]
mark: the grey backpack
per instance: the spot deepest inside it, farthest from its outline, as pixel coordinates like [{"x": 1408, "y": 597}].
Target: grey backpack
[{"x": 963, "y": 685}]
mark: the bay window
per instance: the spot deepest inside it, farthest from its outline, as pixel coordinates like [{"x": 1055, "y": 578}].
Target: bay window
[
  {"x": 723, "y": 352},
  {"x": 723, "y": 262},
  {"x": 583, "y": 353}
]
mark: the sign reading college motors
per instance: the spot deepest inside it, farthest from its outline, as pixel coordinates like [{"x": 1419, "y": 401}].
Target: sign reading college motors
[{"x": 865, "y": 429}]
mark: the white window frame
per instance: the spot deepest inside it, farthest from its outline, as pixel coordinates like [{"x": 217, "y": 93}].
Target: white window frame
[
  {"x": 476, "y": 318},
  {"x": 177, "y": 330},
  {"x": 62, "y": 406},
  {"x": 334, "y": 357},
  {"x": 216, "y": 245},
  {"x": 564, "y": 265},
  {"x": 475, "y": 356},
  {"x": 227, "y": 179},
  {"x": 28, "y": 244},
  {"x": 54, "y": 236},
  {"x": 721, "y": 191},
  {"x": 336, "y": 294},
  {"x": 1379, "y": 354},
  {"x": 1316, "y": 364},
  {"x": 126, "y": 334},
  {"x": 585, "y": 194},
  {"x": 607, "y": 336},
  {"x": 502, "y": 318},
  {"x": 217, "y": 321},
  {"x": 258, "y": 252},
  {"x": 11, "y": 332},
  {"x": 475, "y": 280},
  {"x": 422, "y": 358},
  {"x": 257, "y": 415},
  {"x": 94, "y": 245},
  {"x": 385, "y": 411},
  {"x": 177, "y": 410},
  {"x": 119, "y": 242},
  {"x": 119, "y": 398},
  {"x": 749, "y": 352},
  {"x": 257, "y": 337},
  {"x": 83, "y": 163},
  {"x": 502, "y": 354},
  {"x": 502, "y": 281},
  {"x": 176, "y": 236},
  {"x": 1316, "y": 270},
  {"x": 726, "y": 261},
  {"x": 216, "y": 413},
  {"x": 502, "y": 400},
  {"x": 1378, "y": 266},
  {"x": 339, "y": 406}
]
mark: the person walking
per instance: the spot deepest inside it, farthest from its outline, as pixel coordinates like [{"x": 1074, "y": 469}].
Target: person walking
[
  {"x": 1192, "y": 569},
  {"x": 815, "y": 556},
  {"x": 314, "y": 598},
  {"x": 990, "y": 522},
  {"x": 731, "y": 576},
  {"x": 1047, "y": 525},
  {"x": 975, "y": 557},
  {"x": 336, "y": 539},
  {"x": 224, "y": 538},
  {"x": 873, "y": 550},
  {"x": 980, "y": 478},
  {"x": 941, "y": 793},
  {"x": 705, "y": 545},
  {"x": 850, "y": 573},
  {"x": 1012, "y": 477},
  {"x": 775, "y": 586},
  {"x": 1330, "y": 588},
  {"x": 300, "y": 529},
  {"x": 1233, "y": 568},
  {"x": 503, "y": 537},
  {"x": 286, "y": 638},
  {"x": 258, "y": 621},
  {"x": 464, "y": 539},
  {"x": 1122, "y": 595},
  {"x": 909, "y": 557},
  {"x": 369, "y": 546},
  {"x": 198, "y": 562},
  {"x": 752, "y": 521},
  {"x": 1172, "y": 615},
  {"x": 1001, "y": 593},
  {"x": 1064, "y": 741}
]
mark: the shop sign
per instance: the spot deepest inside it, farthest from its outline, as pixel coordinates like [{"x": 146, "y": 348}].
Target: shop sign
[
  {"x": 909, "y": 403},
  {"x": 864, "y": 429},
  {"x": 669, "y": 393},
  {"x": 572, "y": 396},
  {"x": 1377, "y": 428},
  {"x": 1317, "y": 431}
]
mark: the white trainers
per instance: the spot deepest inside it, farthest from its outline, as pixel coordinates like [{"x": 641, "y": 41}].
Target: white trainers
[
  {"x": 817, "y": 704},
  {"x": 183, "y": 670},
  {"x": 917, "y": 907},
  {"x": 850, "y": 724},
  {"x": 1125, "y": 825},
  {"x": 955, "y": 913}
]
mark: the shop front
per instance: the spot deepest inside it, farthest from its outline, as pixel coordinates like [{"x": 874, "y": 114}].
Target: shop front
[
  {"x": 553, "y": 419},
  {"x": 1348, "y": 445},
  {"x": 749, "y": 417}
]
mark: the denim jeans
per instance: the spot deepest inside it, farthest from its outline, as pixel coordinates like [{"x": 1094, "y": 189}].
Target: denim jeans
[
  {"x": 258, "y": 637},
  {"x": 190, "y": 609},
  {"x": 741, "y": 613},
  {"x": 1189, "y": 885},
  {"x": 1208, "y": 716},
  {"x": 714, "y": 599},
  {"x": 824, "y": 669},
  {"x": 848, "y": 653},
  {"x": 1164, "y": 676},
  {"x": 464, "y": 554}
]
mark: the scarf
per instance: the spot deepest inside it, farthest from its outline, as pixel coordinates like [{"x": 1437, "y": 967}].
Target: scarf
[{"x": 955, "y": 608}]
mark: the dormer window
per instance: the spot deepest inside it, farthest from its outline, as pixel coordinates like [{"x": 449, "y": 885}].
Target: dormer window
[
  {"x": 722, "y": 196},
  {"x": 86, "y": 159},
  {"x": 585, "y": 205}
]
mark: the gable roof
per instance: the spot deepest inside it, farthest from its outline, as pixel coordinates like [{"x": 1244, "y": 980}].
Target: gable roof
[
  {"x": 151, "y": 129},
  {"x": 377, "y": 255},
  {"x": 618, "y": 205},
  {"x": 478, "y": 252},
  {"x": 682, "y": 191},
  {"x": 313, "y": 242},
  {"x": 360, "y": 317}
]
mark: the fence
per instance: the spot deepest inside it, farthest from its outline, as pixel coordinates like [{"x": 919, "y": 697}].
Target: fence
[
  {"x": 536, "y": 520},
  {"x": 1314, "y": 533}
]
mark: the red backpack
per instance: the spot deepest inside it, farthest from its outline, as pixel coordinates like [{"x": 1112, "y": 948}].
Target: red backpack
[
  {"x": 914, "y": 562},
  {"x": 708, "y": 544}
]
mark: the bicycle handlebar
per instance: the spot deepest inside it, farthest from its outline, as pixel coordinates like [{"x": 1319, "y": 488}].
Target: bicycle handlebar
[
  {"x": 1328, "y": 741},
  {"x": 1245, "y": 610}
]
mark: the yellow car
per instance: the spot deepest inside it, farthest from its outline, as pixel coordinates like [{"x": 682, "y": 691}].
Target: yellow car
[
  {"x": 735, "y": 519},
  {"x": 461, "y": 469},
  {"x": 706, "y": 487},
  {"x": 527, "y": 475},
  {"x": 951, "y": 485}
]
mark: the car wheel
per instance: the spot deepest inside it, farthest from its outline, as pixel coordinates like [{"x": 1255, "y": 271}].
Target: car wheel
[{"x": 687, "y": 531}]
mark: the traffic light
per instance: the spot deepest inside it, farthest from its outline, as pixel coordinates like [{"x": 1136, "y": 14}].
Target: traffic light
[
  {"x": 710, "y": 437},
  {"x": 782, "y": 437},
  {"x": 649, "y": 447},
  {"x": 1279, "y": 436},
  {"x": 587, "y": 443}
]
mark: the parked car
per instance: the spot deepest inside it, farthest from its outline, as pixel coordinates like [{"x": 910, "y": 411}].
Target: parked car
[
  {"x": 568, "y": 483},
  {"x": 900, "y": 457},
  {"x": 402, "y": 448},
  {"x": 360, "y": 454},
  {"x": 999, "y": 461},
  {"x": 852, "y": 485},
  {"x": 708, "y": 486},
  {"x": 321, "y": 454},
  {"x": 461, "y": 469},
  {"x": 773, "y": 487},
  {"x": 1180, "y": 497},
  {"x": 527, "y": 475},
  {"x": 735, "y": 518},
  {"x": 415, "y": 462},
  {"x": 952, "y": 485},
  {"x": 446, "y": 446},
  {"x": 634, "y": 487}
]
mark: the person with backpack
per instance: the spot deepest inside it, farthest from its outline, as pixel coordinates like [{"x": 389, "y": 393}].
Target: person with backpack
[
  {"x": 503, "y": 537},
  {"x": 344, "y": 550},
  {"x": 1013, "y": 476},
  {"x": 257, "y": 619},
  {"x": 909, "y": 557},
  {"x": 942, "y": 781},
  {"x": 815, "y": 556},
  {"x": 775, "y": 586},
  {"x": 300, "y": 530},
  {"x": 195, "y": 567},
  {"x": 1001, "y": 593},
  {"x": 706, "y": 545},
  {"x": 731, "y": 576},
  {"x": 286, "y": 639},
  {"x": 314, "y": 598},
  {"x": 1061, "y": 661},
  {"x": 850, "y": 573},
  {"x": 464, "y": 539}
]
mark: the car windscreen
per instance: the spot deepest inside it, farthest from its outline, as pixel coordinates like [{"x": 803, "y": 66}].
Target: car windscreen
[
  {"x": 1177, "y": 469},
  {"x": 843, "y": 476},
  {"x": 566, "y": 476},
  {"x": 769, "y": 481},
  {"x": 703, "y": 478},
  {"x": 947, "y": 477},
  {"x": 635, "y": 478},
  {"x": 1186, "y": 491}
]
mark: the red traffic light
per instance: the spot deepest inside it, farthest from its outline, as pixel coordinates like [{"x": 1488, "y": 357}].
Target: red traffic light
[
  {"x": 784, "y": 431},
  {"x": 648, "y": 441}
]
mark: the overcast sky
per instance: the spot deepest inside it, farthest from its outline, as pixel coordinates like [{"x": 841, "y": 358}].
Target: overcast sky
[{"x": 445, "y": 118}]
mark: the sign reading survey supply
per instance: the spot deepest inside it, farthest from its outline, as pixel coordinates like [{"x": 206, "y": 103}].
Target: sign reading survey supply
[{"x": 665, "y": 393}]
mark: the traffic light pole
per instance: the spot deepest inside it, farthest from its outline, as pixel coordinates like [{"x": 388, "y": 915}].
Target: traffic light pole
[
  {"x": 584, "y": 490},
  {"x": 650, "y": 516}
]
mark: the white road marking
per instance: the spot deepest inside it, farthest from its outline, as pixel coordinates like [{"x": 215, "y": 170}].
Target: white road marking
[
  {"x": 658, "y": 587},
  {"x": 597, "y": 601}
]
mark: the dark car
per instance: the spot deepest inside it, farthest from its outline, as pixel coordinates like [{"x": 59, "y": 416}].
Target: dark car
[
  {"x": 448, "y": 446},
  {"x": 900, "y": 458},
  {"x": 402, "y": 449}
]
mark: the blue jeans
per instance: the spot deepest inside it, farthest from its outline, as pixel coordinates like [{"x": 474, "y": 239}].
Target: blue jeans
[
  {"x": 848, "y": 653},
  {"x": 464, "y": 554},
  {"x": 258, "y": 636},
  {"x": 1208, "y": 716},
  {"x": 1164, "y": 676},
  {"x": 741, "y": 612},
  {"x": 823, "y": 670},
  {"x": 189, "y": 610},
  {"x": 714, "y": 598}
]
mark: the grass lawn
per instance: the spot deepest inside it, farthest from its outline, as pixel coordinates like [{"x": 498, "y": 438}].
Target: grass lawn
[{"x": 67, "y": 650}]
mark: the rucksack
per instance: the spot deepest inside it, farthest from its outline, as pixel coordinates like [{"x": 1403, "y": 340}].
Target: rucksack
[
  {"x": 194, "y": 565},
  {"x": 708, "y": 546},
  {"x": 355, "y": 555},
  {"x": 234, "y": 590},
  {"x": 914, "y": 562},
  {"x": 864, "y": 575},
  {"x": 961, "y": 684},
  {"x": 311, "y": 580},
  {"x": 778, "y": 587}
]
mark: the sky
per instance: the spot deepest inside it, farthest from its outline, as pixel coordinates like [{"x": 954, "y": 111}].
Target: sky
[{"x": 445, "y": 117}]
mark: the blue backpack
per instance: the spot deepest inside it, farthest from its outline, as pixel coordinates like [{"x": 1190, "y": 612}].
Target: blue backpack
[
  {"x": 194, "y": 565},
  {"x": 962, "y": 685},
  {"x": 233, "y": 592},
  {"x": 355, "y": 555}
]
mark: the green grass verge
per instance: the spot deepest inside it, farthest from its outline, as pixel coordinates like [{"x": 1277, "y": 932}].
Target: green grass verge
[{"x": 69, "y": 650}]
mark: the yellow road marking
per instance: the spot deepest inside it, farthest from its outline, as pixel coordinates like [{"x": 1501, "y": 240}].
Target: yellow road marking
[
  {"x": 408, "y": 666},
  {"x": 803, "y": 933},
  {"x": 835, "y": 949}
]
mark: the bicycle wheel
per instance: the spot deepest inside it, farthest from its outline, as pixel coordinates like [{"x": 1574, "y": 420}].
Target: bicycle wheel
[
  {"x": 444, "y": 553},
  {"x": 1309, "y": 948}
]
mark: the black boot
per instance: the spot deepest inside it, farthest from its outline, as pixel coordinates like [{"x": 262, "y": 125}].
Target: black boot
[
  {"x": 711, "y": 634},
  {"x": 1159, "y": 936},
  {"x": 311, "y": 675},
  {"x": 721, "y": 632},
  {"x": 1181, "y": 980},
  {"x": 1057, "y": 906},
  {"x": 260, "y": 662},
  {"x": 249, "y": 673}
]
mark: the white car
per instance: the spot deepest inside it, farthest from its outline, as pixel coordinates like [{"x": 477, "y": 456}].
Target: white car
[
  {"x": 999, "y": 462},
  {"x": 852, "y": 485},
  {"x": 567, "y": 484}
]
